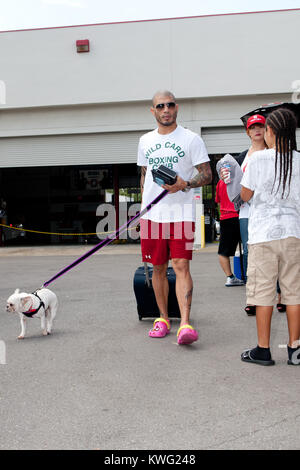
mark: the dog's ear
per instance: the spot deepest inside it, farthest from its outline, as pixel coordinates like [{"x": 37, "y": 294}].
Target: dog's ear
[
  {"x": 25, "y": 299},
  {"x": 17, "y": 291}
]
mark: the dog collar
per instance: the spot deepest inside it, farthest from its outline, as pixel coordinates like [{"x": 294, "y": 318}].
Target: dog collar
[{"x": 33, "y": 311}]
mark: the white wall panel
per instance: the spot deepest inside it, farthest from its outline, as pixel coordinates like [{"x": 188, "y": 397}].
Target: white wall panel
[{"x": 194, "y": 57}]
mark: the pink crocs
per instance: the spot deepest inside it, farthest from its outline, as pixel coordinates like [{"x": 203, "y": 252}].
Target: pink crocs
[
  {"x": 186, "y": 335},
  {"x": 161, "y": 328}
]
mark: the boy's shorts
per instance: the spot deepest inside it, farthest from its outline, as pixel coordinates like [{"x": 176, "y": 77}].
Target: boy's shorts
[
  {"x": 229, "y": 236},
  {"x": 269, "y": 262},
  {"x": 163, "y": 241}
]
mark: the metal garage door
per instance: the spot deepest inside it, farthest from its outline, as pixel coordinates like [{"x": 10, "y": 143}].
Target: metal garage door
[
  {"x": 225, "y": 139},
  {"x": 58, "y": 150},
  {"x": 228, "y": 139},
  {"x": 114, "y": 147}
]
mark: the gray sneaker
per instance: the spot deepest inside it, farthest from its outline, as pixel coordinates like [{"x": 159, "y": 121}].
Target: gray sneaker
[{"x": 234, "y": 281}]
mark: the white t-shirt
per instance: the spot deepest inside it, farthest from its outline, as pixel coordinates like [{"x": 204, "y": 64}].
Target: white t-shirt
[
  {"x": 244, "y": 209},
  {"x": 181, "y": 151},
  {"x": 271, "y": 217}
]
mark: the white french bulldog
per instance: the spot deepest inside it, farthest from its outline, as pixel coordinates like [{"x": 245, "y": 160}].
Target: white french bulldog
[{"x": 41, "y": 304}]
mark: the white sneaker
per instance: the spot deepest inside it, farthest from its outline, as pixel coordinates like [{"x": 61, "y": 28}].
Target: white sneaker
[{"x": 234, "y": 281}]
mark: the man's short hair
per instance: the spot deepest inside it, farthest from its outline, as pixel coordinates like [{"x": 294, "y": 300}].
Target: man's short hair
[{"x": 164, "y": 93}]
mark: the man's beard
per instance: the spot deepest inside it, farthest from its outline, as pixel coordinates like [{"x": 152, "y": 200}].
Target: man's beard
[{"x": 167, "y": 123}]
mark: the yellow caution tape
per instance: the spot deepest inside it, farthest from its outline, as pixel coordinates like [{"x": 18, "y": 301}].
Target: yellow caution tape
[{"x": 59, "y": 233}]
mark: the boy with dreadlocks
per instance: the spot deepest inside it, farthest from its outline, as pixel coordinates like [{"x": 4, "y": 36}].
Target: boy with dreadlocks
[{"x": 272, "y": 181}]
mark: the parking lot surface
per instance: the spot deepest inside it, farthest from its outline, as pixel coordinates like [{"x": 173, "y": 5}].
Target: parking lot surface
[{"x": 99, "y": 381}]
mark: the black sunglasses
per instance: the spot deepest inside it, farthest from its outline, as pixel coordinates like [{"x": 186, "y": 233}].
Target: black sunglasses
[{"x": 170, "y": 105}]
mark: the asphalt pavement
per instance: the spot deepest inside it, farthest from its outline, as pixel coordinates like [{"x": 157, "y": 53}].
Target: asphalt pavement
[{"x": 99, "y": 381}]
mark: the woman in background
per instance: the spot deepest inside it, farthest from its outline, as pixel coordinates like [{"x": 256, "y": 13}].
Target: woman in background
[{"x": 255, "y": 129}]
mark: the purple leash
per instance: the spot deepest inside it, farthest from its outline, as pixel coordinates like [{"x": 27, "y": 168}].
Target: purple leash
[{"x": 109, "y": 239}]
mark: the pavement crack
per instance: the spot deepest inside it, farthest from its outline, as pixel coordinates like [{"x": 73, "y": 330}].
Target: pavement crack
[{"x": 255, "y": 431}]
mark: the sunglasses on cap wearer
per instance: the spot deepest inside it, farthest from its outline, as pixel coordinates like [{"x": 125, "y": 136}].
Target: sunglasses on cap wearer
[{"x": 170, "y": 105}]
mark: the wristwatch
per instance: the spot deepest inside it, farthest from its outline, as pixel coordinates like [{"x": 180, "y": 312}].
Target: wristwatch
[{"x": 188, "y": 187}]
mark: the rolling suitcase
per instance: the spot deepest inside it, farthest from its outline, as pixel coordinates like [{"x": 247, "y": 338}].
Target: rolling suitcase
[{"x": 145, "y": 298}]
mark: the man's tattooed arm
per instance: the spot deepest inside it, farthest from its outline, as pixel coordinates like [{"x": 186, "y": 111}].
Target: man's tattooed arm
[
  {"x": 203, "y": 177},
  {"x": 142, "y": 180}
]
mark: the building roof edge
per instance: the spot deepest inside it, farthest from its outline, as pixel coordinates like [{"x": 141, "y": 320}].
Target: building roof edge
[{"x": 150, "y": 20}]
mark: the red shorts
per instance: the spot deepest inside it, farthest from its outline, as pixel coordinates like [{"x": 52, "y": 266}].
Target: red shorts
[{"x": 163, "y": 241}]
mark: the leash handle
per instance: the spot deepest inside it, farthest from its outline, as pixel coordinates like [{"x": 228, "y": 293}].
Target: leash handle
[{"x": 109, "y": 239}]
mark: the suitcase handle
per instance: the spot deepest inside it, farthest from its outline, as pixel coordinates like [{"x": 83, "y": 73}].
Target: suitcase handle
[{"x": 147, "y": 274}]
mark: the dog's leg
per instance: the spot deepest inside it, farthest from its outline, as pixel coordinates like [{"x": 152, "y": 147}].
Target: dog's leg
[
  {"x": 23, "y": 327},
  {"x": 51, "y": 313},
  {"x": 48, "y": 321},
  {"x": 43, "y": 325}
]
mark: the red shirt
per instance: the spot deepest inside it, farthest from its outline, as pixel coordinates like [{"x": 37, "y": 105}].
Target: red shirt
[{"x": 227, "y": 209}]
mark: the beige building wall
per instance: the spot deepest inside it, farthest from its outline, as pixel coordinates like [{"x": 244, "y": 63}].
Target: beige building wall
[
  {"x": 219, "y": 67},
  {"x": 212, "y": 56}
]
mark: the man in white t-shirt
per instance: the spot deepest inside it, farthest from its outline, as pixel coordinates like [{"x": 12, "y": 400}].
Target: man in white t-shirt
[{"x": 167, "y": 230}]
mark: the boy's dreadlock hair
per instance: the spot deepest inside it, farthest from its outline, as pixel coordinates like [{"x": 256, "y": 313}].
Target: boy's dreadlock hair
[{"x": 283, "y": 123}]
